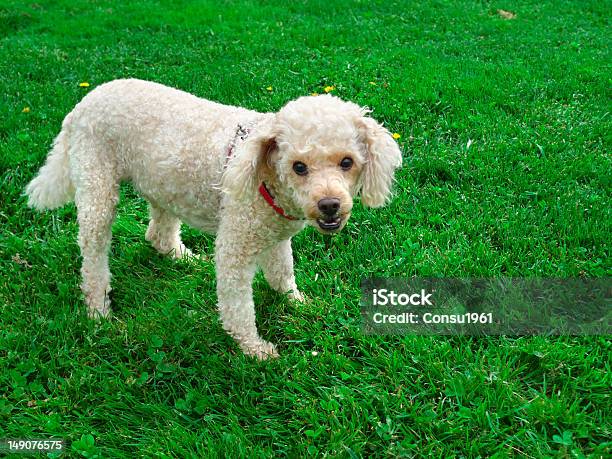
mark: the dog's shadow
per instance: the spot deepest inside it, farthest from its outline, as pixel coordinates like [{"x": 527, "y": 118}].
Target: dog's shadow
[{"x": 148, "y": 283}]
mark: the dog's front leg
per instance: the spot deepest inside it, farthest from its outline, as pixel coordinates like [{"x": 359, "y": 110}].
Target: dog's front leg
[{"x": 235, "y": 266}]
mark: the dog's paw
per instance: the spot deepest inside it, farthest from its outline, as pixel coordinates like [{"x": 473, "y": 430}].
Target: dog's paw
[
  {"x": 182, "y": 252},
  {"x": 296, "y": 295},
  {"x": 99, "y": 311},
  {"x": 263, "y": 350}
]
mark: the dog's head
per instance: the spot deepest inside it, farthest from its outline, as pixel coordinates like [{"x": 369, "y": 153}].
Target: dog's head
[{"x": 317, "y": 153}]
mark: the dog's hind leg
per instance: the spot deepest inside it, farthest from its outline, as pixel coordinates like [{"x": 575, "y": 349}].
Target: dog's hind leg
[
  {"x": 164, "y": 233},
  {"x": 277, "y": 266},
  {"x": 97, "y": 193}
]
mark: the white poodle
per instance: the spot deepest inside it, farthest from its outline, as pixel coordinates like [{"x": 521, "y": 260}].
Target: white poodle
[{"x": 253, "y": 179}]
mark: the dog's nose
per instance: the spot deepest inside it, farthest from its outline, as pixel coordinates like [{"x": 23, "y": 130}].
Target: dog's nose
[{"x": 329, "y": 206}]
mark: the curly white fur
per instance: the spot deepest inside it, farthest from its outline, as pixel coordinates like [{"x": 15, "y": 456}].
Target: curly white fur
[{"x": 173, "y": 148}]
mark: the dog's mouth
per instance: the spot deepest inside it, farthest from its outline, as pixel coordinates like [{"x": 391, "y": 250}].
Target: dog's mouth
[{"x": 329, "y": 224}]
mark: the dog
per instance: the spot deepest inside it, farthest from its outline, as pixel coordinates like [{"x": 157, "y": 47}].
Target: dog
[{"x": 253, "y": 179}]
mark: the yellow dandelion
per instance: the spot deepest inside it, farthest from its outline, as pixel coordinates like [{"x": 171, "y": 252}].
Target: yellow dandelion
[
  {"x": 329, "y": 88},
  {"x": 25, "y": 110},
  {"x": 373, "y": 83},
  {"x": 396, "y": 135},
  {"x": 84, "y": 84},
  {"x": 269, "y": 88},
  {"x": 315, "y": 94}
]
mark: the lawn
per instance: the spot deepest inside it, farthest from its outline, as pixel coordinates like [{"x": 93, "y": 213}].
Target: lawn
[{"x": 506, "y": 135}]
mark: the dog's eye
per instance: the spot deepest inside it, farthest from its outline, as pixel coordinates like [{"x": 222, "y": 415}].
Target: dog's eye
[
  {"x": 346, "y": 164},
  {"x": 300, "y": 168}
]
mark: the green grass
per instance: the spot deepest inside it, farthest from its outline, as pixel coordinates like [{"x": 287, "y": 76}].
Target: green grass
[{"x": 529, "y": 196}]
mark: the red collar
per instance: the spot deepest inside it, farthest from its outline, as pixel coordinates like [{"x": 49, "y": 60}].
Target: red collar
[{"x": 263, "y": 190}]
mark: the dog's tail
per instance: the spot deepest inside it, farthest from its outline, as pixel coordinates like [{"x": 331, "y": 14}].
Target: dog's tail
[{"x": 52, "y": 187}]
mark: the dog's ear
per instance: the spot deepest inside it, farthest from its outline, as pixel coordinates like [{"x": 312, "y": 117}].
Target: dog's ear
[
  {"x": 245, "y": 169},
  {"x": 383, "y": 156}
]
